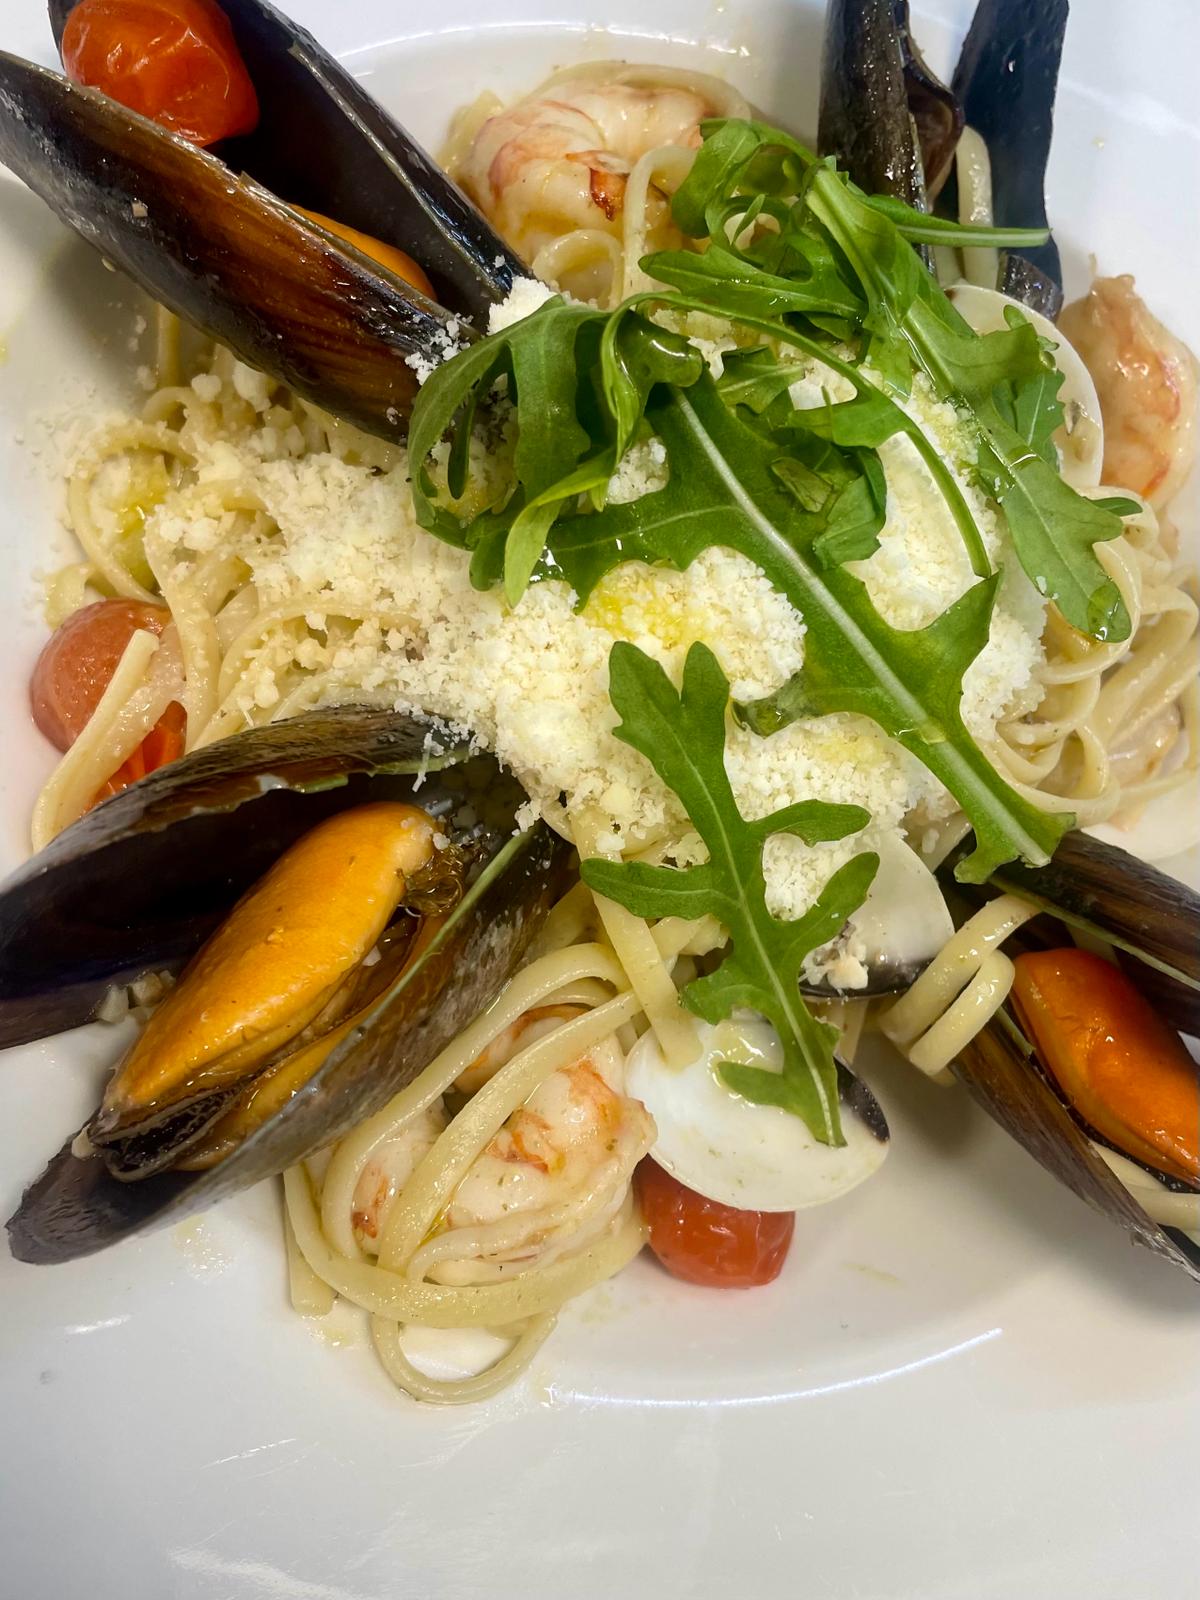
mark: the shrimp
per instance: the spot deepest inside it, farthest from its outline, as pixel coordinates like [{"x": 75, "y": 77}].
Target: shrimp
[
  {"x": 1146, "y": 382},
  {"x": 552, "y": 1178},
  {"x": 560, "y": 160},
  {"x": 389, "y": 1168},
  {"x": 526, "y": 1030}
]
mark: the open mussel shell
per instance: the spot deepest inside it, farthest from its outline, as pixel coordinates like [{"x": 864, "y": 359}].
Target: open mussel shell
[
  {"x": 892, "y": 124},
  {"x": 137, "y": 884},
  {"x": 1151, "y": 919},
  {"x": 1003, "y": 1074},
  {"x": 220, "y": 250},
  {"x": 324, "y": 143},
  {"x": 1006, "y": 80},
  {"x": 140, "y": 882}
]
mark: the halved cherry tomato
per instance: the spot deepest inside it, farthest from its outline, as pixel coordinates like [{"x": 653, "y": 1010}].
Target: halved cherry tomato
[
  {"x": 705, "y": 1242},
  {"x": 78, "y": 661},
  {"x": 76, "y": 666},
  {"x": 1118, "y": 1063},
  {"x": 387, "y": 255},
  {"x": 174, "y": 61}
]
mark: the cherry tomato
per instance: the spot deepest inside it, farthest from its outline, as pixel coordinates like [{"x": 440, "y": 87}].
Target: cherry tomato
[
  {"x": 174, "y": 61},
  {"x": 75, "y": 668},
  {"x": 163, "y": 743},
  {"x": 78, "y": 661},
  {"x": 387, "y": 255},
  {"x": 705, "y": 1242}
]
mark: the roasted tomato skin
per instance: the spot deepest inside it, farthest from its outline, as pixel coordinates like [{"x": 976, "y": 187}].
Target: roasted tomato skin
[
  {"x": 174, "y": 61},
  {"x": 707, "y": 1243}
]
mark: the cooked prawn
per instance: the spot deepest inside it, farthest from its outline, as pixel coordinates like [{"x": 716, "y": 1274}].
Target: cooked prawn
[
  {"x": 1146, "y": 382},
  {"x": 390, "y": 1166},
  {"x": 550, "y": 1180},
  {"x": 553, "y": 1177},
  {"x": 560, "y": 162},
  {"x": 526, "y": 1030}
]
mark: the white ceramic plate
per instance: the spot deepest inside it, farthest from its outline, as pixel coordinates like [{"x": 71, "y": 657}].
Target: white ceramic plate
[{"x": 965, "y": 1385}]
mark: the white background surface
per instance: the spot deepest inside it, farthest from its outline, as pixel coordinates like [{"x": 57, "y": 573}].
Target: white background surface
[{"x": 965, "y": 1386}]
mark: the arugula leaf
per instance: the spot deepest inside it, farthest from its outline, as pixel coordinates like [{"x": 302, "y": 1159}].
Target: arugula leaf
[
  {"x": 727, "y": 276},
  {"x": 536, "y": 356},
  {"x": 1054, "y": 530},
  {"x": 683, "y": 737},
  {"x": 548, "y": 360},
  {"x": 1034, "y": 412},
  {"x": 723, "y": 490},
  {"x": 740, "y": 156},
  {"x": 867, "y": 419},
  {"x": 920, "y": 227}
]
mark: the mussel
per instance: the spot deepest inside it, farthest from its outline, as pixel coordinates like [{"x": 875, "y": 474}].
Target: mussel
[
  {"x": 1006, "y": 80},
  {"x": 1151, "y": 920},
  {"x": 1149, "y": 925},
  {"x": 892, "y": 123},
  {"x": 216, "y": 236},
  {"x": 895, "y": 127},
  {"x": 323, "y": 142},
  {"x": 311, "y": 1003}
]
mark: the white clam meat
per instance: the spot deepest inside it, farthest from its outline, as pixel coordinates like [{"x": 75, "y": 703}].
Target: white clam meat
[{"x": 755, "y": 1157}]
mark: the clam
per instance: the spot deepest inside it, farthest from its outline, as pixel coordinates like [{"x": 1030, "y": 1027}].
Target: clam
[
  {"x": 756, "y": 1157},
  {"x": 1149, "y": 924},
  {"x": 892, "y": 937},
  {"x": 340, "y": 913},
  {"x": 1080, "y": 438},
  {"x": 218, "y": 237}
]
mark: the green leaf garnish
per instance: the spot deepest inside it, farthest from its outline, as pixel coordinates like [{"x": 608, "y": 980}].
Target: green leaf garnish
[
  {"x": 723, "y": 490},
  {"x": 683, "y": 737},
  {"x": 1053, "y": 529},
  {"x": 823, "y": 275}
]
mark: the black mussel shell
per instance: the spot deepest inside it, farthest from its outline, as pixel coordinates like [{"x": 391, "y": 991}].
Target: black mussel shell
[
  {"x": 1151, "y": 919},
  {"x": 324, "y": 143},
  {"x": 140, "y": 882},
  {"x": 1006, "y": 80},
  {"x": 221, "y": 251},
  {"x": 892, "y": 124},
  {"x": 1021, "y": 280},
  {"x": 1002, "y": 1073},
  {"x": 78, "y": 1207}
]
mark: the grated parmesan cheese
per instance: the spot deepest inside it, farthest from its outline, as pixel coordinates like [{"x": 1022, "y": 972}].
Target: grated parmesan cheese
[
  {"x": 380, "y": 610},
  {"x": 525, "y": 296}
]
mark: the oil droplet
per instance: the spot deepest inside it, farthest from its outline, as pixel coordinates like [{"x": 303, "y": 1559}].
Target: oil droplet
[{"x": 205, "y": 1256}]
